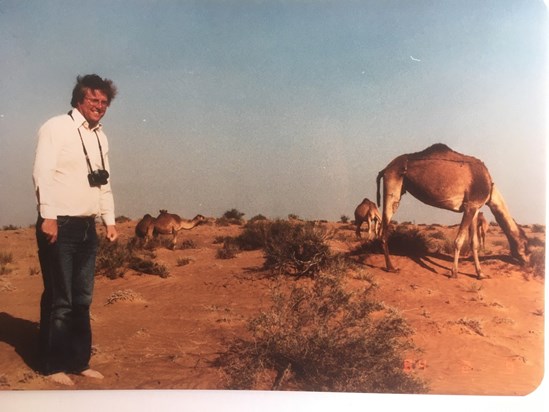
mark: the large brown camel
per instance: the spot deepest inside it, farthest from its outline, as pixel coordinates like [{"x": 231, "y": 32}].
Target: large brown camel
[
  {"x": 169, "y": 223},
  {"x": 482, "y": 229},
  {"x": 443, "y": 178},
  {"x": 368, "y": 212}
]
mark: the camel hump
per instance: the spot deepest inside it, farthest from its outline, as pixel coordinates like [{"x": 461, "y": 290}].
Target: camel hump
[{"x": 440, "y": 151}]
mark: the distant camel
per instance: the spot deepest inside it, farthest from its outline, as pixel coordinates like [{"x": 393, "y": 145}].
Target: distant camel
[
  {"x": 169, "y": 223},
  {"x": 482, "y": 229},
  {"x": 145, "y": 227},
  {"x": 445, "y": 179},
  {"x": 368, "y": 212}
]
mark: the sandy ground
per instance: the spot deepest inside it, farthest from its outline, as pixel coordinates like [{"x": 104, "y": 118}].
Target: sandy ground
[{"x": 478, "y": 337}]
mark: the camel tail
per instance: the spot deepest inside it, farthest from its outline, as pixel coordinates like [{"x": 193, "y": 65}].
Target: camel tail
[
  {"x": 518, "y": 242},
  {"x": 378, "y": 182}
]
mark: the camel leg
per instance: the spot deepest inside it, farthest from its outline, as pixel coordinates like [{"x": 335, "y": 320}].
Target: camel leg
[
  {"x": 473, "y": 234},
  {"x": 466, "y": 222},
  {"x": 369, "y": 227},
  {"x": 390, "y": 206},
  {"x": 174, "y": 239},
  {"x": 358, "y": 223}
]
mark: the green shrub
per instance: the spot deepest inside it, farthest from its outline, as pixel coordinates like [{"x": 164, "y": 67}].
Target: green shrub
[{"x": 317, "y": 336}]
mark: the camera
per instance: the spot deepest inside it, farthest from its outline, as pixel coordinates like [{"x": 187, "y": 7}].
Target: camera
[{"x": 98, "y": 177}]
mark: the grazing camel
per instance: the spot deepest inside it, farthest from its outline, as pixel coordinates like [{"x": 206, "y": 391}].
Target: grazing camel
[
  {"x": 145, "y": 227},
  {"x": 443, "y": 178},
  {"x": 482, "y": 229},
  {"x": 169, "y": 223},
  {"x": 368, "y": 212}
]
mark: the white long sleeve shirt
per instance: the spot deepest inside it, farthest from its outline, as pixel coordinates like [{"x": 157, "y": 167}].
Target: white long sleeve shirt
[{"x": 60, "y": 172}]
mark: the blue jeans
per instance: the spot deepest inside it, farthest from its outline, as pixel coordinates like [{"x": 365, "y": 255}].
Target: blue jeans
[{"x": 68, "y": 267}]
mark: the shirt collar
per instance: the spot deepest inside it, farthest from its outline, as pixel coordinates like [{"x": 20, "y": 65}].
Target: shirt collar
[{"x": 81, "y": 121}]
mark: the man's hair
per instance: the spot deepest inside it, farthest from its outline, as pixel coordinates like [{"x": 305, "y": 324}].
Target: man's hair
[{"x": 93, "y": 82}]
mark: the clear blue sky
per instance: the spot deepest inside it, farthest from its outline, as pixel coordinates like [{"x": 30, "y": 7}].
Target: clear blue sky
[{"x": 279, "y": 107}]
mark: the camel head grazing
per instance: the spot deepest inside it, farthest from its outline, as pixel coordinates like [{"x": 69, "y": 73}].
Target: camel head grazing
[
  {"x": 443, "y": 178},
  {"x": 144, "y": 228}
]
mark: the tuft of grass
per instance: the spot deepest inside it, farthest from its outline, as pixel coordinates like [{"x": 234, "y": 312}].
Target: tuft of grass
[
  {"x": 126, "y": 295},
  {"x": 317, "y": 336},
  {"x": 471, "y": 324},
  {"x": 183, "y": 261}
]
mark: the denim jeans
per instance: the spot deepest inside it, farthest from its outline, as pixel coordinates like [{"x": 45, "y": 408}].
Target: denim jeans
[{"x": 68, "y": 267}]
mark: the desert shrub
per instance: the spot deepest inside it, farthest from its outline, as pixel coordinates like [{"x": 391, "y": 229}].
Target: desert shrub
[
  {"x": 295, "y": 249},
  {"x": 183, "y": 261},
  {"x": 233, "y": 217},
  {"x": 229, "y": 250},
  {"x": 317, "y": 336},
  {"x": 115, "y": 258},
  {"x": 344, "y": 219},
  {"x": 122, "y": 219},
  {"x": 187, "y": 244},
  {"x": 535, "y": 242},
  {"x": 293, "y": 216},
  {"x": 112, "y": 258},
  {"x": 404, "y": 241},
  {"x": 538, "y": 228},
  {"x": 254, "y": 235},
  {"x": 257, "y": 217},
  {"x": 10, "y": 227},
  {"x": 148, "y": 266},
  {"x": 537, "y": 262},
  {"x": 5, "y": 258}
]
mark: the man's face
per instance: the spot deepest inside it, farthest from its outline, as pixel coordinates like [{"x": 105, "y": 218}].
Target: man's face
[{"x": 94, "y": 106}]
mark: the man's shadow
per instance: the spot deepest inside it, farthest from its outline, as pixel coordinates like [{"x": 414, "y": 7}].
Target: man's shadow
[{"x": 22, "y": 334}]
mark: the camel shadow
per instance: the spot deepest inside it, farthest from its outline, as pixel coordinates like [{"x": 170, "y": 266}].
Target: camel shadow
[{"x": 22, "y": 334}]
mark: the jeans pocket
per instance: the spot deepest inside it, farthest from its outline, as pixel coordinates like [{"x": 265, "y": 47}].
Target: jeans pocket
[{"x": 62, "y": 220}]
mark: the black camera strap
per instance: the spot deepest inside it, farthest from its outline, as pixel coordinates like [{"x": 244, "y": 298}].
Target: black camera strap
[{"x": 84, "y": 147}]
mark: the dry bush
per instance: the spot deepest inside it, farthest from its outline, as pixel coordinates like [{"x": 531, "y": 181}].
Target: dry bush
[
  {"x": 296, "y": 249},
  {"x": 126, "y": 295},
  {"x": 537, "y": 262},
  {"x": 229, "y": 250},
  {"x": 187, "y": 244},
  {"x": 115, "y": 258},
  {"x": 183, "y": 261},
  {"x": 319, "y": 337},
  {"x": 404, "y": 240},
  {"x": 231, "y": 217},
  {"x": 5, "y": 259}
]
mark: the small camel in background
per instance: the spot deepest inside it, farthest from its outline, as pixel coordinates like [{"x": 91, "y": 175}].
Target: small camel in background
[
  {"x": 368, "y": 212},
  {"x": 165, "y": 224},
  {"x": 482, "y": 229},
  {"x": 170, "y": 223}
]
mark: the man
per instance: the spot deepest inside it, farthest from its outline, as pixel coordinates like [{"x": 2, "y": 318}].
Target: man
[{"x": 71, "y": 179}]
